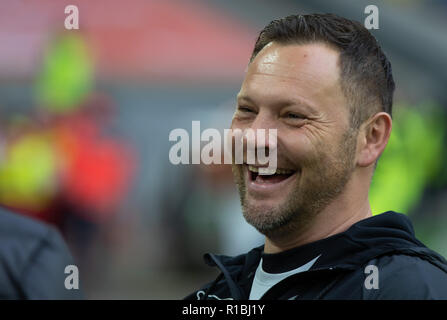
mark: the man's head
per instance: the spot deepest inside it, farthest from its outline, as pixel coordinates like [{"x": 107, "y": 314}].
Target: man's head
[
  {"x": 324, "y": 83},
  {"x": 365, "y": 72}
]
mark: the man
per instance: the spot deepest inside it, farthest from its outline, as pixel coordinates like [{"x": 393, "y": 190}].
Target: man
[
  {"x": 324, "y": 83},
  {"x": 33, "y": 258}
]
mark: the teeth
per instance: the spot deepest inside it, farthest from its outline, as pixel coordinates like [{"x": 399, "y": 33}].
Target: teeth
[
  {"x": 269, "y": 171},
  {"x": 266, "y": 171}
]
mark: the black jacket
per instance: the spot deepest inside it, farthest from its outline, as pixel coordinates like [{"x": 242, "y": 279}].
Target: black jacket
[
  {"x": 33, "y": 258},
  {"x": 407, "y": 269}
]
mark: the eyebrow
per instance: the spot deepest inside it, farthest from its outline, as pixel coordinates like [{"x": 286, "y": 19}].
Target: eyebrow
[{"x": 282, "y": 103}]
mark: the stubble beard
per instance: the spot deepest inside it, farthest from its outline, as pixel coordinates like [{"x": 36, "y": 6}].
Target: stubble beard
[{"x": 310, "y": 195}]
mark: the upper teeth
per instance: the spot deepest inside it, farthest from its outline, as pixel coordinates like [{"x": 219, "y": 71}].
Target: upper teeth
[{"x": 264, "y": 170}]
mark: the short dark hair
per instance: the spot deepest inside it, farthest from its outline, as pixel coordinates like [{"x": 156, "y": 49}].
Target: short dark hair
[{"x": 366, "y": 76}]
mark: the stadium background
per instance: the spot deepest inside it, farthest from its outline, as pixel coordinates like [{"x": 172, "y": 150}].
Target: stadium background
[{"x": 85, "y": 117}]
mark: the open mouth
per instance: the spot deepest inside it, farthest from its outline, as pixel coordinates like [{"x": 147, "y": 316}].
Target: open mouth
[{"x": 278, "y": 176}]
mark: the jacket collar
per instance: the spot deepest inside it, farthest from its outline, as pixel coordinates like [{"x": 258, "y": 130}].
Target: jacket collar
[{"x": 386, "y": 233}]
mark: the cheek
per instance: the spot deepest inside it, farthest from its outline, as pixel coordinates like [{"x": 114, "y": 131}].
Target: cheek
[
  {"x": 239, "y": 124},
  {"x": 297, "y": 148}
]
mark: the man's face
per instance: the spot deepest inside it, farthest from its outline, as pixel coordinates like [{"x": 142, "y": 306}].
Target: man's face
[{"x": 296, "y": 90}]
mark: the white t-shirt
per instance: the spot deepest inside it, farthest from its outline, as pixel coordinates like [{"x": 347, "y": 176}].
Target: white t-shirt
[{"x": 263, "y": 281}]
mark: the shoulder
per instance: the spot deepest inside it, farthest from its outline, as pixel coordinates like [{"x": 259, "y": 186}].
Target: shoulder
[
  {"x": 406, "y": 277},
  {"x": 33, "y": 257},
  {"x": 15, "y": 225},
  {"x": 20, "y": 237}
]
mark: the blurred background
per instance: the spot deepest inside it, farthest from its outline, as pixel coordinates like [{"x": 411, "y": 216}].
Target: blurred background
[{"x": 85, "y": 117}]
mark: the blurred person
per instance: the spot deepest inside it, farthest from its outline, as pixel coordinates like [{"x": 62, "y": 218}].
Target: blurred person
[
  {"x": 327, "y": 87},
  {"x": 33, "y": 258},
  {"x": 69, "y": 170}
]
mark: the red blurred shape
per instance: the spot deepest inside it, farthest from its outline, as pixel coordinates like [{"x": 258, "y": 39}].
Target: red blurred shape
[
  {"x": 96, "y": 171},
  {"x": 98, "y": 177}
]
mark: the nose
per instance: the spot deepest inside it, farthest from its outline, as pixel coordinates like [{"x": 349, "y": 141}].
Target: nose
[{"x": 262, "y": 133}]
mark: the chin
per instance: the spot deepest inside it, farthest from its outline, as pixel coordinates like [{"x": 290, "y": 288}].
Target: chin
[{"x": 267, "y": 217}]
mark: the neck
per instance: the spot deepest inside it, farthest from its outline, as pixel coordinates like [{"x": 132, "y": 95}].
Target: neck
[{"x": 348, "y": 208}]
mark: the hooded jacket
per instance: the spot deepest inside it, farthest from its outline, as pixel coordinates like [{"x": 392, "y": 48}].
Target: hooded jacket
[
  {"x": 406, "y": 268},
  {"x": 33, "y": 258}
]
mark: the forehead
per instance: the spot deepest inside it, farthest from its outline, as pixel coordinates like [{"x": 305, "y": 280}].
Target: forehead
[
  {"x": 293, "y": 60},
  {"x": 308, "y": 72}
]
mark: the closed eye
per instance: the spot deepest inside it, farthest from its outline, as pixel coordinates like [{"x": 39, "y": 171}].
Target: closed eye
[
  {"x": 294, "y": 116},
  {"x": 245, "y": 109}
]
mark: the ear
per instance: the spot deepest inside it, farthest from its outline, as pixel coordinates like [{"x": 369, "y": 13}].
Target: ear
[{"x": 373, "y": 138}]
